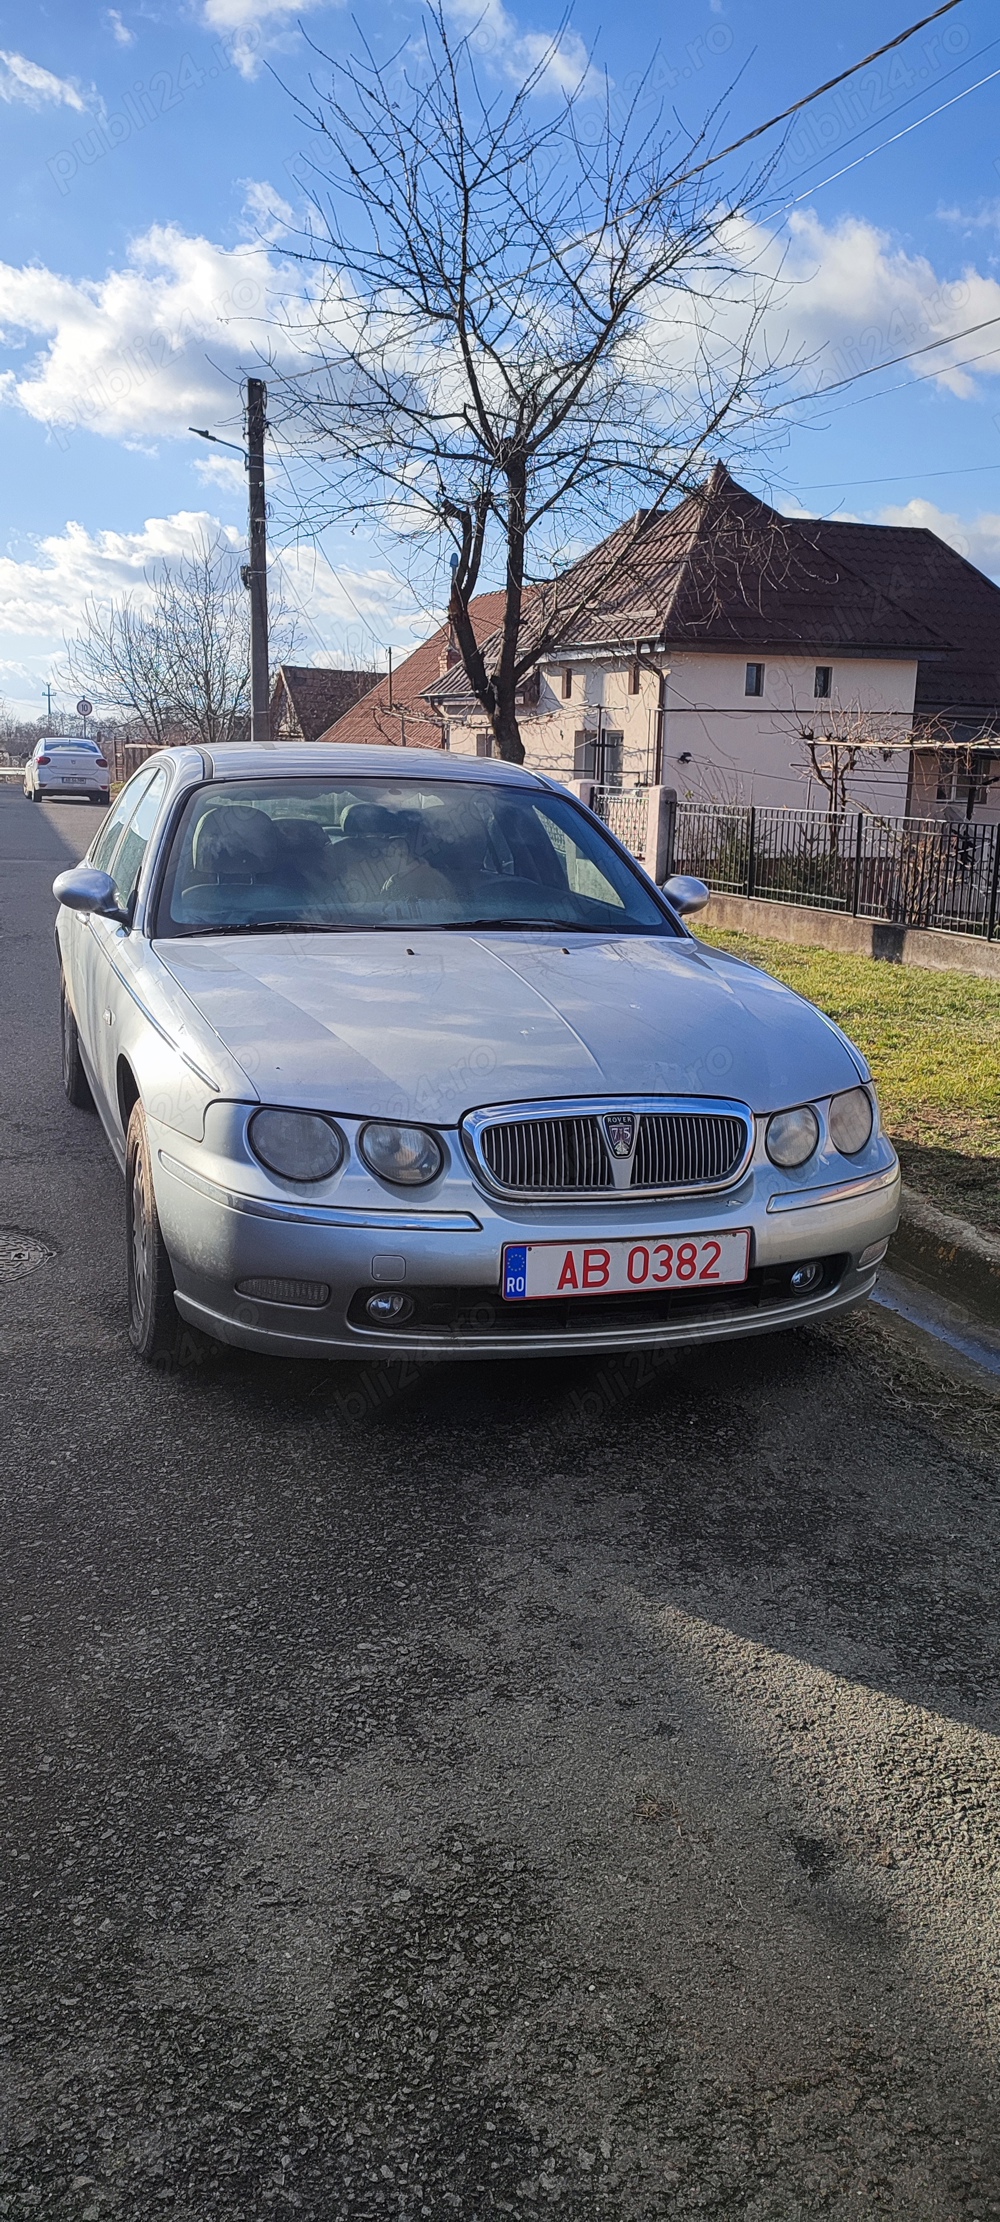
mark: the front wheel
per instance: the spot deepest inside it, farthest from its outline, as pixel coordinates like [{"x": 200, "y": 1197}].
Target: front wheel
[
  {"x": 75, "y": 1080},
  {"x": 156, "y": 1329}
]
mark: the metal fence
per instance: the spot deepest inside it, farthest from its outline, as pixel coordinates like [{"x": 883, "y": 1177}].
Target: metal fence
[
  {"x": 921, "y": 872},
  {"x": 626, "y": 814},
  {"x": 124, "y": 757}
]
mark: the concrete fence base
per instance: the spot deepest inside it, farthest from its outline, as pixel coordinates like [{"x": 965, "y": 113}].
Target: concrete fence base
[{"x": 858, "y": 937}]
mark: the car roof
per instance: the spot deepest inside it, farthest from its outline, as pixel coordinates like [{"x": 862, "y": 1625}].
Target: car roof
[{"x": 332, "y": 759}]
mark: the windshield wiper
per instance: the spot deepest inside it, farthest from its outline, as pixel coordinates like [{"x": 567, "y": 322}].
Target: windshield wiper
[
  {"x": 550, "y": 925},
  {"x": 265, "y": 926},
  {"x": 402, "y": 925}
]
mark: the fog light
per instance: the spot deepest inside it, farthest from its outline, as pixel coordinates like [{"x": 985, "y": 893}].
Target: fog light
[
  {"x": 269, "y": 1291},
  {"x": 873, "y": 1255},
  {"x": 389, "y": 1311},
  {"x": 806, "y": 1276}
]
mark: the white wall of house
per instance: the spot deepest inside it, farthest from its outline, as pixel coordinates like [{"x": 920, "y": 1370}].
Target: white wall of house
[
  {"x": 723, "y": 745},
  {"x": 602, "y": 702},
  {"x": 719, "y": 744}
]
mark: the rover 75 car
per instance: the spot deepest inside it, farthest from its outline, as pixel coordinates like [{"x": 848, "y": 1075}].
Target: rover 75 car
[{"x": 401, "y": 1052}]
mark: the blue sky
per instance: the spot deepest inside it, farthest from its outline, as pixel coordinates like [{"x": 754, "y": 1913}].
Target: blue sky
[{"x": 147, "y": 154}]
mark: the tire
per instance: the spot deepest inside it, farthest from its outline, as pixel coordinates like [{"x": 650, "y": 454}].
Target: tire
[
  {"x": 156, "y": 1330},
  {"x": 75, "y": 1080}
]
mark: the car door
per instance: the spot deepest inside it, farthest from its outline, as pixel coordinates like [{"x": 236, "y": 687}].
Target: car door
[
  {"x": 81, "y": 937},
  {"x": 106, "y": 989}
]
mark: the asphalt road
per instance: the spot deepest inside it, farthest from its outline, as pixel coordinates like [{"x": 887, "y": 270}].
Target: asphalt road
[{"x": 543, "y": 1788}]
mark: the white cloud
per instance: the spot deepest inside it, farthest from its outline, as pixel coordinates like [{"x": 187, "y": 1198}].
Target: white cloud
[
  {"x": 984, "y": 218},
  {"x": 268, "y": 216},
  {"x": 43, "y": 594},
  {"x": 976, "y": 538},
  {"x": 150, "y": 348},
  {"x": 849, "y": 298},
  {"x": 119, "y": 31},
  {"x": 250, "y": 24},
  {"x": 343, "y": 615},
  {"x": 26, "y": 81},
  {"x": 493, "y": 31}
]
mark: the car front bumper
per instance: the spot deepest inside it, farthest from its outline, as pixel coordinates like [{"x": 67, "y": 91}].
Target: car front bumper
[{"x": 448, "y": 1264}]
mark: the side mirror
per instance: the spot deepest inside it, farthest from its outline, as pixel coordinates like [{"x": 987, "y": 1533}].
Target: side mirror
[
  {"x": 84, "y": 889},
  {"x": 686, "y": 894}
]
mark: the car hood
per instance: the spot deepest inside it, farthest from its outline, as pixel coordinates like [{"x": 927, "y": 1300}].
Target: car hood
[{"x": 429, "y": 1025}]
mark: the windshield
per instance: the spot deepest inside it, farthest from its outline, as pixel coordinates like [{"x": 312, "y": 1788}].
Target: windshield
[{"x": 323, "y": 855}]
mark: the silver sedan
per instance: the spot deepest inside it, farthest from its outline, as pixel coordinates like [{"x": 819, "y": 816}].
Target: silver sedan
[{"x": 402, "y": 1053}]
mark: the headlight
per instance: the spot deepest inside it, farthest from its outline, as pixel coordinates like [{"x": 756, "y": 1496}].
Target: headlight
[
  {"x": 407, "y": 1154},
  {"x": 791, "y": 1136},
  {"x": 297, "y": 1145},
  {"x": 851, "y": 1121}
]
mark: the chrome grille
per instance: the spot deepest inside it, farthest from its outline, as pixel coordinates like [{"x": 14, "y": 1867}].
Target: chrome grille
[
  {"x": 548, "y": 1151},
  {"x": 547, "y": 1154},
  {"x": 683, "y": 1149}
]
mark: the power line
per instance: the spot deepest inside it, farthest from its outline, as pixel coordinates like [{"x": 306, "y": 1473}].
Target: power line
[
  {"x": 830, "y": 86},
  {"x": 896, "y": 136},
  {"x": 965, "y": 63},
  {"x": 892, "y": 478},
  {"x": 908, "y": 356}
]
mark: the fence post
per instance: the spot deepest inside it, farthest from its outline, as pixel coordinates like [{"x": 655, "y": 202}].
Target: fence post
[
  {"x": 994, "y": 916},
  {"x": 856, "y": 895},
  {"x": 752, "y": 854},
  {"x": 661, "y": 805},
  {"x": 584, "y": 791}
]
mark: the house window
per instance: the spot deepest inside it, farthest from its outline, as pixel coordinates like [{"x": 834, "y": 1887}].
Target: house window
[
  {"x": 754, "y": 679},
  {"x": 585, "y": 756},
  {"x": 967, "y": 779},
  {"x": 823, "y": 686},
  {"x": 633, "y": 680},
  {"x": 484, "y": 744},
  {"x": 598, "y": 756},
  {"x": 609, "y": 759},
  {"x": 567, "y": 684}
]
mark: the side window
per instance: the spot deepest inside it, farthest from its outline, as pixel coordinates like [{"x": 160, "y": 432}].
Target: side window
[
  {"x": 111, "y": 831},
  {"x": 128, "y": 862}
]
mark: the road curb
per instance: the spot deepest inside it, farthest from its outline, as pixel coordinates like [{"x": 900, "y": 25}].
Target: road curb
[{"x": 948, "y": 1255}]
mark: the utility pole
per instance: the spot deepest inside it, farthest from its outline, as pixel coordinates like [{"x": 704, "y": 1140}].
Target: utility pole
[
  {"x": 48, "y": 698},
  {"x": 260, "y": 728}
]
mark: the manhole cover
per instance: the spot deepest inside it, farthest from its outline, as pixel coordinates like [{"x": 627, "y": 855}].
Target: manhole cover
[{"x": 21, "y": 1253}]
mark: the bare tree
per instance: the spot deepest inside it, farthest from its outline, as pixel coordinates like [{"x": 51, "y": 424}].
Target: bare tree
[
  {"x": 836, "y": 744},
  {"x": 17, "y": 738},
  {"x": 175, "y": 658},
  {"x": 532, "y": 317}
]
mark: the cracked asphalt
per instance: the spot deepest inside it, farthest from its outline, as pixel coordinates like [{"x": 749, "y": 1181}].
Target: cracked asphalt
[{"x": 548, "y": 1788}]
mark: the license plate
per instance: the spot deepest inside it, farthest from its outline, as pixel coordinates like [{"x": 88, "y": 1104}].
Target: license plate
[
  {"x": 538, "y": 1269},
  {"x": 72, "y": 779}
]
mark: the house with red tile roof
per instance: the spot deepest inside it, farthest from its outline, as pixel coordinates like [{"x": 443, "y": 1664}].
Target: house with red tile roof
[
  {"x": 308, "y": 698},
  {"x": 397, "y": 710},
  {"x": 704, "y": 646}
]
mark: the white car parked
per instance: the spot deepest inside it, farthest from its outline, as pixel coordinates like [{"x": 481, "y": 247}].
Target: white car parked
[{"x": 57, "y": 769}]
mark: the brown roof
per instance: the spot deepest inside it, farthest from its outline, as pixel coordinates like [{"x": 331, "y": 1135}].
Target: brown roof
[
  {"x": 961, "y": 685},
  {"x": 318, "y": 694},
  {"x": 724, "y": 570},
  {"x": 410, "y": 717}
]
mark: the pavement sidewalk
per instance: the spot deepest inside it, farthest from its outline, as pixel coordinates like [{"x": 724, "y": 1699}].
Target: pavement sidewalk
[{"x": 949, "y": 1255}]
